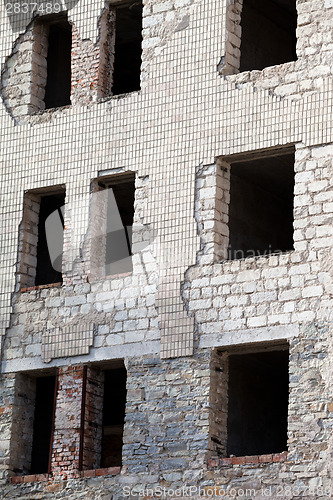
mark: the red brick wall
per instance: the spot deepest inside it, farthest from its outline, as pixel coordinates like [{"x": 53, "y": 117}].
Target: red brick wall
[{"x": 66, "y": 439}]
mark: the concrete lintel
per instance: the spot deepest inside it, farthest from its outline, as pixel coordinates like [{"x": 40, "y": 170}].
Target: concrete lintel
[
  {"x": 250, "y": 336},
  {"x": 96, "y": 354}
]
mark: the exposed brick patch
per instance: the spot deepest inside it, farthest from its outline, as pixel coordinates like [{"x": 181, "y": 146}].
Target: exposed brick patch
[
  {"x": 30, "y": 478},
  {"x": 108, "y": 471},
  {"x": 253, "y": 459},
  {"x": 88, "y": 473},
  {"x": 85, "y": 69},
  {"x": 16, "y": 479},
  {"x": 225, "y": 461},
  {"x": 280, "y": 457},
  {"x": 42, "y": 477},
  {"x": 238, "y": 460}
]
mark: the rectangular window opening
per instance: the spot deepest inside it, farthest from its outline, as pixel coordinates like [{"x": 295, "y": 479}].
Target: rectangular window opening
[
  {"x": 50, "y": 239},
  {"x": 127, "y": 48},
  {"x": 261, "y": 206},
  {"x": 268, "y": 33},
  {"x": 258, "y": 392},
  {"x": 103, "y": 416},
  {"x": 33, "y": 423},
  {"x": 41, "y": 237},
  {"x": 58, "y": 80},
  {"x": 113, "y": 417},
  {"x": 120, "y": 214},
  {"x": 43, "y": 424},
  {"x": 112, "y": 223}
]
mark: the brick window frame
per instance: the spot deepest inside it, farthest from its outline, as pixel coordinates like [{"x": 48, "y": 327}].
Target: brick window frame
[
  {"x": 42, "y": 29},
  {"x": 253, "y": 170},
  {"x": 113, "y": 57},
  {"x": 28, "y": 237},
  {"x": 239, "y": 36},
  {"x": 218, "y": 416}
]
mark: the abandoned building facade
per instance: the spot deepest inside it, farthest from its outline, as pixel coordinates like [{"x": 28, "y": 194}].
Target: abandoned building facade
[{"x": 166, "y": 248}]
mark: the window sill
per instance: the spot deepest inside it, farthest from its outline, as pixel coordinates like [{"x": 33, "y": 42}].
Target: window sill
[
  {"x": 251, "y": 75},
  {"x": 32, "y": 478},
  {"x": 252, "y": 459},
  {"x": 41, "y": 287},
  {"x": 265, "y": 256},
  {"x": 118, "y": 96},
  {"x": 107, "y": 471}
]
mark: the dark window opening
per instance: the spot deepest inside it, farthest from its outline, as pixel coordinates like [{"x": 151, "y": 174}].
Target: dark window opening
[
  {"x": 50, "y": 239},
  {"x": 258, "y": 403},
  {"x": 113, "y": 417},
  {"x": 268, "y": 33},
  {"x": 128, "y": 39},
  {"x": 58, "y": 83},
  {"x": 43, "y": 424},
  {"x": 261, "y": 206},
  {"x": 119, "y": 222}
]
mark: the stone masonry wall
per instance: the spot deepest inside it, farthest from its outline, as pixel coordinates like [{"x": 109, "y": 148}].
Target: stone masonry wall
[
  {"x": 167, "y": 418},
  {"x": 167, "y": 428}
]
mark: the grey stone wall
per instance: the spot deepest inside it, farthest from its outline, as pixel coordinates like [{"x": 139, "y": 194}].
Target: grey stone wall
[
  {"x": 167, "y": 415},
  {"x": 166, "y": 439}
]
